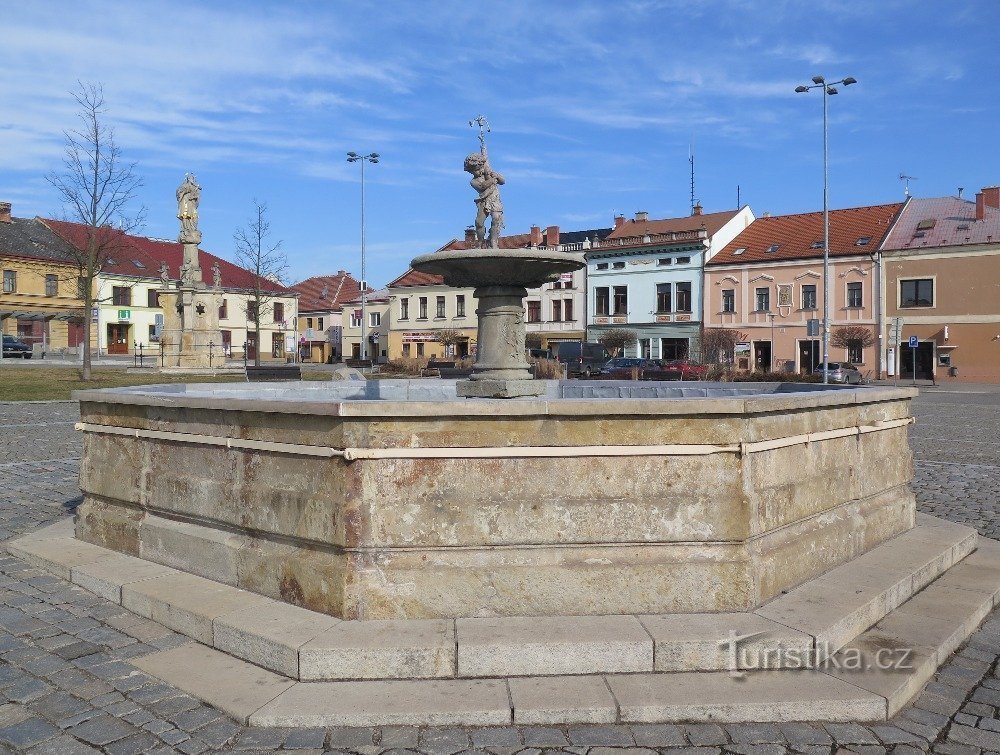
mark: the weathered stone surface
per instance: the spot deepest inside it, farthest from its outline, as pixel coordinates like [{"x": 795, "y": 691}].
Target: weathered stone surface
[
  {"x": 759, "y": 696},
  {"x": 562, "y": 699},
  {"x": 231, "y": 685},
  {"x": 106, "y": 576},
  {"x": 715, "y": 642},
  {"x": 57, "y": 555},
  {"x": 456, "y": 702},
  {"x": 380, "y": 650},
  {"x": 186, "y": 603},
  {"x": 269, "y": 634},
  {"x": 525, "y": 646}
]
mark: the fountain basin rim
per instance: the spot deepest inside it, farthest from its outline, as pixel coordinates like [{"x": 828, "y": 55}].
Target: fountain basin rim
[
  {"x": 738, "y": 401},
  {"x": 498, "y": 267}
]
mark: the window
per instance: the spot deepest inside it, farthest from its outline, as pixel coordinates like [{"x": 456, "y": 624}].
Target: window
[
  {"x": 684, "y": 296},
  {"x": 663, "y": 297},
  {"x": 557, "y": 284},
  {"x": 152, "y": 333},
  {"x": 224, "y": 310},
  {"x": 121, "y": 296},
  {"x": 738, "y": 252},
  {"x": 320, "y": 323},
  {"x": 602, "y": 265},
  {"x": 673, "y": 348},
  {"x": 568, "y": 284},
  {"x": 404, "y": 309},
  {"x": 763, "y": 300},
  {"x": 252, "y": 311},
  {"x": 557, "y": 310},
  {"x": 809, "y": 296},
  {"x": 665, "y": 261},
  {"x": 138, "y": 264},
  {"x": 855, "y": 352},
  {"x": 816, "y": 244},
  {"x": 854, "y": 297},
  {"x": 152, "y": 298},
  {"x": 460, "y": 305},
  {"x": 618, "y": 265},
  {"x": 440, "y": 311},
  {"x": 277, "y": 345},
  {"x": 729, "y": 300},
  {"x": 926, "y": 225},
  {"x": 309, "y": 323},
  {"x": 773, "y": 248},
  {"x": 51, "y": 285},
  {"x": 356, "y": 318},
  {"x": 568, "y": 310},
  {"x": 916, "y": 293},
  {"x": 534, "y": 311},
  {"x": 683, "y": 260},
  {"x": 422, "y": 308},
  {"x": 279, "y": 311},
  {"x": 602, "y": 300},
  {"x": 374, "y": 319},
  {"x": 420, "y": 349},
  {"x": 863, "y": 241},
  {"x": 406, "y": 349},
  {"x": 621, "y": 300}
]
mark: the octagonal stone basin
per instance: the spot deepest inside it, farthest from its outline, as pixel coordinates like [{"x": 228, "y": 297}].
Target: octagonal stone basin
[{"x": 394, "y": 499}]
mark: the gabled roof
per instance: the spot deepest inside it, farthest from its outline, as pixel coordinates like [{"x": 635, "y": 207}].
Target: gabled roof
[
  {"x": 140, "y": 256},
  {"x": 29, "y": 238},
  {"x": 712, "y": 221},
  {"x": 801, "y": 236},
  {"x": 954, "y": 224},
  {"x": 327, "y": 293}
]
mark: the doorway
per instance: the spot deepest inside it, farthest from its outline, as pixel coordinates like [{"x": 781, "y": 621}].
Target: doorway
[
  {"x": 925, "y": 361},
  {"x": 809, "y": 356},
  {"x": 118, "y": 338},
  {"x": 762, "y": 356}
]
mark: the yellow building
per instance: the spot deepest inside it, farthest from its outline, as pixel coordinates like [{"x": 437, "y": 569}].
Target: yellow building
[
  {"x": 39, "y": 301},
  {"x": 420, "y": 307},
  {"x": 379, "y": 316}
]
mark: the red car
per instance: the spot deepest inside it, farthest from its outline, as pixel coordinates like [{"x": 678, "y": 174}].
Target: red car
[{"x": 689, "y": 370}]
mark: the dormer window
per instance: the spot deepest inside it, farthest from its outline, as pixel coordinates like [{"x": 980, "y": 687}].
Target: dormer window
[
  {"x": 602, "y": 265},
  {"x": 863, "y": 241},
  {"x": 773, "y": 248},
  {"x": 737, "y": 252},
  {"x": 926, "y": 225},
  {"x": 816, "y": 245}
]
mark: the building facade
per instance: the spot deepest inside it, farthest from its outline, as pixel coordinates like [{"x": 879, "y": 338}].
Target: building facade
[
  {"x": 767, "y": 285},
  {"x": 39, "y": 297},
  {"x": 941, "y": 281},
  {"x": 646, "y": 276},
  {"x": 379, "y": 313},
  {"x": 321, "y": 307}
]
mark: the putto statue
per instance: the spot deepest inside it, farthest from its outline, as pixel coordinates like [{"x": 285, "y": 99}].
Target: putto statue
[
  {"x": 188, "y": 197},
  {"x": 164, "y": 273},
  {"x": 487, "y": 183},
  {"x": 216, "y": 275}
]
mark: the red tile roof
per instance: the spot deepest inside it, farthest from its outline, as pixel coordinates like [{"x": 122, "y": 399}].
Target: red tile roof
[
  {"x": 954, "y": 224},
  {"x": 795, "y": 235},
  {"x": 128, "y": 250},
  {"x": 327, "y": 293},
  {"x": 713, "y": 221},
  {"x": 414, "y": 278}
]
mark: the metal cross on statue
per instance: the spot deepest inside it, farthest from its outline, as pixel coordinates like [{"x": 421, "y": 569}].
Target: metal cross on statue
[{"x": 484, "y": 126}]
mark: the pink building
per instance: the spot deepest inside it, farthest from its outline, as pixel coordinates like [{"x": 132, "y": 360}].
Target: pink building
[{"x": 768, "y": 284}]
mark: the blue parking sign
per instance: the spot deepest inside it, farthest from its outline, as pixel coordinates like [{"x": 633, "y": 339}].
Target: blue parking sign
[{"x": 913, "y": 342}]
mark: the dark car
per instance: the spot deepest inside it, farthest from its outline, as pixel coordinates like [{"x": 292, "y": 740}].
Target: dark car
[
  {"x": 628, "y": 368},
  {"x": 15, "y": 347},
  {"x": 580, "y": 358},
  {"x": 840, "y": 372}
]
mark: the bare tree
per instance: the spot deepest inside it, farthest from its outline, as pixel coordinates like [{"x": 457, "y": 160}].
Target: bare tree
[
  {"x": 848, "y": 336},
  {"x": 267, "y": 262},
  {"x": 448, "y": 337},
  {"x": 718, "y": 344},
  {"x": 96, "y": 187},
  {"x": 616, "y": 339}
]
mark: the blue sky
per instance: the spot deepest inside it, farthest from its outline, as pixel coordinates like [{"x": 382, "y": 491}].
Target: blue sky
[{"x": 593, "y": 107}]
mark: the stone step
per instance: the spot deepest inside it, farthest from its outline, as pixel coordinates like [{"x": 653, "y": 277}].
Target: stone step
[
  {"x": 809, "y": 623},
  {"x": 841, "y": 604}
]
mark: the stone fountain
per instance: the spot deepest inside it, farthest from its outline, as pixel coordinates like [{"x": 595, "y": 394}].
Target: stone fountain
[{"x": 501, "y": 278}]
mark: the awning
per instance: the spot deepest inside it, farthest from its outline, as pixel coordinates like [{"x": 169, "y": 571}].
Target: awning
[{"x": 40, "y": 316}]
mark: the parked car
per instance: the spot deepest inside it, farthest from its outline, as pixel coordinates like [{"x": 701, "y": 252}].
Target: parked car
[
  {"x": 840, "y": 372},
  {"x": 15, "y": 347},
  {"x": 689, "y": 370},
  {"x": 628, "y": 368},
  {"x": 539, "y": 353},
  {"x": 580, "y": 358}
]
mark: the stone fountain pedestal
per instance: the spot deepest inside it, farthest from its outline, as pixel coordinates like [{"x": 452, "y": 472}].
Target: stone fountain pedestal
[{"x": 501, "y": 278}]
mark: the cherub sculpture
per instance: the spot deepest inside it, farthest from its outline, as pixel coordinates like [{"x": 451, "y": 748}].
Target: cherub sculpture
[{"x": 487, "y": 183}]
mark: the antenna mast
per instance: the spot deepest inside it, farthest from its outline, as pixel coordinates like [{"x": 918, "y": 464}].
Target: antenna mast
[
  {"x": 691, "y": 160},
  {"x": 906, "y": 183}
]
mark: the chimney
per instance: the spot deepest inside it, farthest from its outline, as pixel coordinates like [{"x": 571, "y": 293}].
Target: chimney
[
  {"x": 4, "y": 212},
  {"x": 696, "y": 210},
  {"x": 552, "y": 236},
  {"x": 980, "y": 206},
  {"x": 341, "y": 272},
  {"x": 536, "y": 236},
  {"x": 991, "y": 197},
  {"x": 470, "y": 234},
  {"x": 641, "y": 216},
  {"x": 619, "y": 221}
]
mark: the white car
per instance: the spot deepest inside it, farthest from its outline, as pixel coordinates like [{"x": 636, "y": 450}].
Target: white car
[{"x": 840, "y": 372}]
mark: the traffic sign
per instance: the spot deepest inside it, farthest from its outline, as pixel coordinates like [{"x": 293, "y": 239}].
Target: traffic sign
[{"x": 913, "y": 342}]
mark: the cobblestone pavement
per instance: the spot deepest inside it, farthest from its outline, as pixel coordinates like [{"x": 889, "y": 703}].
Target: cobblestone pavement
[{"x": 66, "y": 686}]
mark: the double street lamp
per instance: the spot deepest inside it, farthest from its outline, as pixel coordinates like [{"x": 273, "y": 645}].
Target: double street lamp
[
  {"x": 829, "y": 88},
  {"x": 354, "y": 157}
]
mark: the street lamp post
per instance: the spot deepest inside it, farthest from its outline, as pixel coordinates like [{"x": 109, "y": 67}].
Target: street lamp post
[
  {"x": 828, "y": 88},
  {"x": 772, "y": 316},
  {"x": 353, "y": 157}
]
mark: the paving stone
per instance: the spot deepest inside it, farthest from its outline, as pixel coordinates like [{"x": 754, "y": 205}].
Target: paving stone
[
  {"x": 443, "y": 739},
  {"x": 753, "y": 734},
  {"x": 174, "y": 736},
  {"x": 192, "y": 746},
  {"x": 190, "y": 720},
  {"x": 591, "y": 735},
  {"x": 301, "y": 739},
  {"x": 543, "y": 736},
  {"x": 987, "y": 740},
  {"x": 706, "y": 734},
  {"x": 800, "y": 735},
  {"x": 851, "y": 734},
  {"x": 891, "y": 735},
  {"x": 133, "y": 745},
  {"x": 657, "y": 735},
  {"x": 505, "y": 736},
  {"x": 964, "y": 718},
  {"x": 63, "y": 745},
  {"x": 347, "y": 737},
  {"x": 102, "y": 730},
  {"x": 27, "y": 733}
]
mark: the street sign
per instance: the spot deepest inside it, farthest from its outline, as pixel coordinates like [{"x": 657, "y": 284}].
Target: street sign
[
  {"x": 124, "y": 315},
  {"x": 913, "y": 342},
  {"x": 812, "y": 327}
]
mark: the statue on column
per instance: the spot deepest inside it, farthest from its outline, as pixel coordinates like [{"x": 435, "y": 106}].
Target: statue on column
[
  {"x": 487, "y": 183},
  {"x": 164, "y": 273},
  {"x": 188, "y": 197},
  {"x": 216, "y": 275}
]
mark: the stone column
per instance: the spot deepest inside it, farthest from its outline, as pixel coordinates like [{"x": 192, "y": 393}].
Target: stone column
[{"x": 501, "y": 370}]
